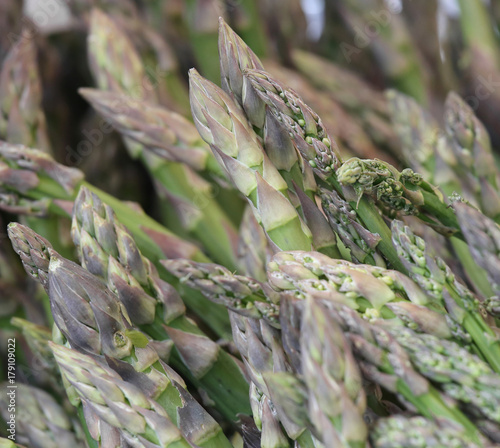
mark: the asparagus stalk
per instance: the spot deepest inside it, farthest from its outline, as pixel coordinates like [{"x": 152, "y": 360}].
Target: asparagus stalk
[
  {"x": 427, "y": 150},
  {"x": 223, "y": 125},
  {"x": 482, "y": 235},
  {"x": 107, "y": 249},
  {"x": 124, "y": 406},
  {"x": 264, "y": 356},
  {"x": 436, "y": 278},
  {"x": 32, "y": 174},
  {"x": 373, "y": 291},
  {"x": 337, "y": 399},
  {"x": 40, "y": 419},
  {"x": 384, "y": 361},
  {"x": 318, "y": 149},
  {"x": 21, "y": 117},
  {"x": 240, "y": 294},
  {"x": 253, "y": 249},
  {"x": 361, "y": 243},
  {"x": 404, "y": 191},
  {"x": 117, "y": 67},
  {"x": 236, "y": 57},
  {"x": 471, "y": 144},
  {"x": 418, "y": 432},
  {"x": 167, "y": 134}
]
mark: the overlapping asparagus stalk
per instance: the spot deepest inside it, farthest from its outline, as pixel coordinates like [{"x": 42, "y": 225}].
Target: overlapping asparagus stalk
[
  {"x": 22, "y": 119},
  {"x": 94, "y": 320},
  {"x": 107, "y": 249},
  {"x": 483, "y": 237},
  {"x": 336, "y": 396},
  {"x": 418, "y": 432},
  {"x": 317, "y": 148},
  {"x": 471, "y": 145},
  {"x": 235, "y": 58},
  {"x": 437, "y": 279},
  {"x": 40, "y": 420},
  {"x": 167, "y": 134},
  {"x": 31, "y": 174},
  {"x": 125, "y": 406},
  {"x": 384, "y": 361},
  {"x": 117, "y": 67},
  {"x": 223, "y": 125},
  {"x": 441, "y": 159}
]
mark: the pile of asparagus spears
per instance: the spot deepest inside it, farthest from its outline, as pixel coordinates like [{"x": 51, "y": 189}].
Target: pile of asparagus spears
[{"x": 215, "y": 265}]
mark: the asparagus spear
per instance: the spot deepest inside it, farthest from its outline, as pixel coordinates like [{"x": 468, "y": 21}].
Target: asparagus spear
[
  {"x": 222, "y": 124},
  {"x": 337, "y": 399},
  {"x": 107, "y": 250},
  {"x": 253, "y": 249},
  {"x": 384, "y": 361},
  {"x": 427, "y": 150},
  {"x": 318, "y": 149},
  {"x": 418, "y": 432},
  {"x": 32, "y": 174},
  {"x": 93, "y": 320},
  {"x": 404, "y": 191},
  {"x": 373, "y": 291},
  {"x": 117, "y": 67},
  {"x": 40, "y": 420},
  {"x": 436, "y": 278},
  {"x": 236, "y": 57},
  {"x": 167, "y": 134},
  {"x": 21, "y": 117},
  {"x": 482, "y": 235},
  {"x": 123, "y": 405},
  {"x": 343, "y": 220},
  {"x": 240, "y": 294},
  {"x": 471, "y": 144}
]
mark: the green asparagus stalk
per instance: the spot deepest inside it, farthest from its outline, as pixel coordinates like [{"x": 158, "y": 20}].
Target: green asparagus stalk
[
  {"x": 223, "y": 125},
  {"x": 427, "y": 150},
  {"x": 123, "y": 405},
  {"x": 337, "y": 399},
  {"x": 253, "y": 249},
  {"x": 311, "y": 139},
  {"x": 376, "y": 293},
  {"x": 21, "y": 117},
  {"x": 383, "y": 360},
  {"x": 240, "y": 294},
  {"x": 391, "y": 44},
  {"x": 482, "y": 235},
  {"x": 437, "y": 279},
  {"x": 94, "y": 320},
  {"x": 361, "y": 243},
  {"x": 167, "y": 134},
  {"x": 264, "y": 356},
  {"x": 471, "y": 144},
  {"x": 236, "y": 57},
  {"x": 418, "y": 432},
  {"x": 404, "y": 191},
  {"x": 32, "y": 175},
  {"x": 117, "y": 67},
  {"x": 421, "y": 139},
  {"x": 107, "y": 249},
  {"x": 40, "y": 419}
]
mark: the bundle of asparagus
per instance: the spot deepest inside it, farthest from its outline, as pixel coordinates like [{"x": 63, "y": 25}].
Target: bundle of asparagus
[{"x": 275, "y": 289}]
